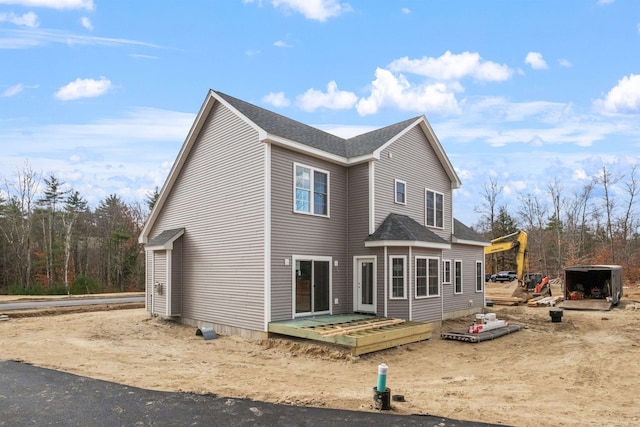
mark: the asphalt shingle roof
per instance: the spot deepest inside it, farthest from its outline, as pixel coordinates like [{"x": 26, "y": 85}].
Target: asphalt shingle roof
[
  {"x": 402, "y": 227},
  {"x": 278, "y": 125},
  {"x": 164, "y": 237},
  {"x": 463, "y": 232}
]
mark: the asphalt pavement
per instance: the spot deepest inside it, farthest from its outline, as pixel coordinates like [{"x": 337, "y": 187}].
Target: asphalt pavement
[{"x": 34, "y": 396}]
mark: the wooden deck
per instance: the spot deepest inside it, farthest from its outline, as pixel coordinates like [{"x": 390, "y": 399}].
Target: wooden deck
[{"x": 362, "y": 333}]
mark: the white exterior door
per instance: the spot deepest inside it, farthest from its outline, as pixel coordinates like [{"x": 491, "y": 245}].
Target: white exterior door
[{"x": 365, "y": 285}]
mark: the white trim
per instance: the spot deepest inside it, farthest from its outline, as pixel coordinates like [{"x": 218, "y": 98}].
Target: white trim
[
  {"x": 356, "y": 260},
  {"x": 446, "y": 282},
  {"x": 426, "y": 224},
  {"x": 454, "y": 239},
  {"x": 267, "y": 236},
  {"x": 481, "y": 276},
  {"x": 372, "y": 198},
  {"x": 455, "y": 292},
  {"x": 153, "y": 281},
  {"x": 404, "y": 276},
  {"x": 312, "y": 258},
  {"x": 409, "y": 280},
  {"x": 426, "y": 258},
  {"x": 395, "y": 191},
  {"x": 414, "y": 243},
  {"x": 386, "y": 282},
  {"x": 312, "y": 170}
]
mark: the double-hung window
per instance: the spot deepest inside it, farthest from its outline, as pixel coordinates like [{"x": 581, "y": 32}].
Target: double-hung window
[
  {"x": 401, "y": 192},
  {"x": 427, "y": 277},
  {"x": 398, "y": 276},
  {"x": 446, "y": 271},
  {"x": 434, "y": 209},
  {"x": 479, "y": 276},
  {"x": 311, "y": 191},
  {"x": 457, "y": 277}
]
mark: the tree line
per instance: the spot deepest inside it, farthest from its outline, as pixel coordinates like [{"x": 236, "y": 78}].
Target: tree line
[
  {"x": 597, "y": 223},
  {"x": 52, "y": 241}
]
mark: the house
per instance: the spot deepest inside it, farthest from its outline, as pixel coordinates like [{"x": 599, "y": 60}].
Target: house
[{"x": 265, "y": 219}]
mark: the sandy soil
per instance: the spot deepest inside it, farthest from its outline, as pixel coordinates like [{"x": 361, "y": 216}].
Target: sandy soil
[{"x": 581, "y": 371}]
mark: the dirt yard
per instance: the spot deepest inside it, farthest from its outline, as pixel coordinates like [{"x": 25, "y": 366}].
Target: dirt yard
[{"x": 582, "y": 371}]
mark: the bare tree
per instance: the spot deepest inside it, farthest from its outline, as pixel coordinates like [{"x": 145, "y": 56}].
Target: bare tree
[
  {"x": 608, "y": 180},
  {"x": 488, "y": 210},
  {"x": 533, "y": 214},
  {"x": 19, "y": 221},
  {"x": 555, "y": 222}
]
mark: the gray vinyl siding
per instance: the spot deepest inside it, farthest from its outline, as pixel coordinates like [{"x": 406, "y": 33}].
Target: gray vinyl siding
[
  {"x": 469, "y": 255},
  {"x": 415, "y": 162},
  {"x": 426, "y": 309},
  {"x": 160, "y": 278},
  {"x": 299, "y": 234},
  {"x": 176, "y": 278},
  {"x": 358, "y": 230},
  {"x": 218, "y": 198},
  {"x": 148, "y": 286}
]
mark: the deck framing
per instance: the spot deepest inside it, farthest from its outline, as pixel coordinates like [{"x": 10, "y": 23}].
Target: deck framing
[{"x": 361, "y": 333}]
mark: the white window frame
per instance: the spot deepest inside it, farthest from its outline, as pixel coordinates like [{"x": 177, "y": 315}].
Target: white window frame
[
  {"x": 455, "y": 278},
  {"x": 446, "y": 271},
  {"x": 479, "y": 276},
  {"x": 404, "y": 276},
  {"x": 427, "y": 259},
  {"x": 312, "y": 171},
  {"x": 435, "y": 211},
  {"x": 395, "y": 190}
]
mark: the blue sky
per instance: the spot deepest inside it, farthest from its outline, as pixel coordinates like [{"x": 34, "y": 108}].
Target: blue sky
[{"x": 103, "y": 93}]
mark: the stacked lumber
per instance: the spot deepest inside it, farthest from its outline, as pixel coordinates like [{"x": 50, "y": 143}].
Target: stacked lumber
[
  {"x": 503, "y": 300},
  {"x": 544, "y": 301}
]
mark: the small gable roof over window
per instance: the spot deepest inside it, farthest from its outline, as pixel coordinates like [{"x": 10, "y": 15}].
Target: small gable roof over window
[
  {"x": 401, "y": 230},
  {"x": 165, "y": 239}
]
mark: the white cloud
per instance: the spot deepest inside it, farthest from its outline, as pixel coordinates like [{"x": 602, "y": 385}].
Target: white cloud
[
  {"x": 535, "y": 60},
  {"x": 391, "y": 91},
  {"x": 603, "y": 2},
  {"x": 53, "y": 4},
  {"x": 451, "y": 66},
  {"x": 86, "y": 23},
  {"x": 622, "y": 98},
  {"x": 22, "y": 39},
  {"x": 83, "y": 88},
  {"x": 13, "y": 90},
  {"x": 318, "y": 10},
  {"x": 252, "y": 52},
  {"x": 277, "y": 99},
  {"x": 565, "y": 63},
  {"x": 28, "y": 19},
  {"x": 333, "y": 99},
  {"x": 281, "y": 43},
  {"x": 405, "y": 10}
]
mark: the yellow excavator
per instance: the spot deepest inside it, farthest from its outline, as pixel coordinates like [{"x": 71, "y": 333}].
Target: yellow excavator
[{"x": 518, "y": 241}]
